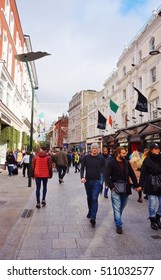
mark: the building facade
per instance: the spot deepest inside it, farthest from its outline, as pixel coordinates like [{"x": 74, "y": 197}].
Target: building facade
[
  {"x": 137, "y": 71},
  {"x": 78, "y": 119},
  {"x": 15, "y": 86}
]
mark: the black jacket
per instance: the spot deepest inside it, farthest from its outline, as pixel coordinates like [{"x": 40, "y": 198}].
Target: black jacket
[
  {"x": 113, "y": 174},
  {"x": 151, "y": 166},
  {"x": 92, "y": 166}
]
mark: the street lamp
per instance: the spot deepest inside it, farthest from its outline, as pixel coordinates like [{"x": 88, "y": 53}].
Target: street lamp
[
  {"x": 26, "y": 57},
  {"x": 154, "y": 52}
]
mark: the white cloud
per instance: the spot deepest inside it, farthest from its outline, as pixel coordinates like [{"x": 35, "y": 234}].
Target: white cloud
[{"x": 85, "y": 38}]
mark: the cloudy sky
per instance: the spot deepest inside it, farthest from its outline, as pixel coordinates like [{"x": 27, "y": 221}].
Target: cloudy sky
[{"x": 85, "y": 39}]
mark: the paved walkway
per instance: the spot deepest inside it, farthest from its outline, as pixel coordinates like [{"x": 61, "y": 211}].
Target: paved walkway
[{"x": 61, "y": 230}]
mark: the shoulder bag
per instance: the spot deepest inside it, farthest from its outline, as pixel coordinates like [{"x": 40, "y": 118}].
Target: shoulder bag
[{"x": 155, "y": 181}]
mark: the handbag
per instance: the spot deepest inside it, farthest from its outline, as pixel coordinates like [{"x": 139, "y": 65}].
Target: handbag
[
  {"x": 120, "y": 187},
  {"x": 155, "y": 181}
]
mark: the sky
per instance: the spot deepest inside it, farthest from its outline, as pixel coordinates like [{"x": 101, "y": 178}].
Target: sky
[{"x": 85, "y": 39}]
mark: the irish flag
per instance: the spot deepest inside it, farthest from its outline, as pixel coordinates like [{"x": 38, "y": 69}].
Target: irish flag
[{"x": 113, "y": 109}]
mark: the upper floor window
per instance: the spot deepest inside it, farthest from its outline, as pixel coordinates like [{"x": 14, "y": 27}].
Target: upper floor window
[
  {"x": 7, "y": 10},
  {"x": 140, "y": 83},
  {"x": 124, "y": 94},
  {"x": 153, "y": 75},
  {"x": 124, "y": 71},
  {"x": 152, "y": 44},
  {"x": 113, "y": 88},
  {"x": 140, "y": 55},
  {"x": 153, "y": 109},
  {"x": 12, "y": 24}
]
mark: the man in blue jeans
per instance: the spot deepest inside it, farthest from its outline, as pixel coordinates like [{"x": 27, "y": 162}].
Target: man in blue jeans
[
  {"x": 119, "y": 169},
  {"x": 92, "y": 165}
]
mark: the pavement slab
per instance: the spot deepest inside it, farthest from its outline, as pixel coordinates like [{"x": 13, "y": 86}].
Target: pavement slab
[{"x": 61, "y": 231}]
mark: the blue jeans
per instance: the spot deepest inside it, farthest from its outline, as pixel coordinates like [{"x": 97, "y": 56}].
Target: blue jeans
[
  {"x": 92, "y": 191},
  {"x": 38, "y": 187},
  {"x": 10, "y": 169},
  {"x": 152, "y": 204},
  {"x": 118, "y": 203}
]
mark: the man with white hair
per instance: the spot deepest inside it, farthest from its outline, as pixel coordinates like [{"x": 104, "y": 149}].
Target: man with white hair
[{"x": 92, "y": 165}]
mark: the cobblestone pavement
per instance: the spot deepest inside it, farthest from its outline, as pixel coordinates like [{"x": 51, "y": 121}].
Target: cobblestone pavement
[{"x": 61, "y": 230}]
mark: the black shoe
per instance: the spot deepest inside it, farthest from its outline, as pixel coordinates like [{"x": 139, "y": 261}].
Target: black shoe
[
  {"x": 153, "y": 223},
  {"x": 105, "y": 196},
  {"x": 145, "y": 197},
  {"x": 93, "y": 222},
  {"x": 38, "y": 205},
  {"x": 88, "y": 215},
  {"x": 119, "y": 230},
  {"x": 43, "y": 203},
  {"x": 59, "y": 181}
]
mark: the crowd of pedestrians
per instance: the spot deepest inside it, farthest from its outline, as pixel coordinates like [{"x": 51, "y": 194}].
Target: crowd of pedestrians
[{"x": 107, "y": 172}]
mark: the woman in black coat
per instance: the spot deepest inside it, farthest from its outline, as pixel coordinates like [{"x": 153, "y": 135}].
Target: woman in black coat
[{"x": 152, "y": 166}]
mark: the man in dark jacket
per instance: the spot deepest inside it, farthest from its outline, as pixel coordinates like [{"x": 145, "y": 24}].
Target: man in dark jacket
[
  {"x": 119, "y": 170},
  {"x": 93, "y": 166},
  {"x": 152, "y": 166},
  {"x": 62, "y": 162}
]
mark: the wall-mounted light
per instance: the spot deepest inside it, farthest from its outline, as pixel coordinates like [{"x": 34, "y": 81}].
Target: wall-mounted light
[
  {"x": 154, "y": 52},
  {"x": 103, "y": 97},
  {"x": 133, "y": 64}
]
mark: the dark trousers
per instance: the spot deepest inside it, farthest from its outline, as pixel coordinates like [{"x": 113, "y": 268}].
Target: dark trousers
[
  {"x": 25, "y": 166},
  {"x": 61, "y": 171},
  {"x": 38, "y": 187}
]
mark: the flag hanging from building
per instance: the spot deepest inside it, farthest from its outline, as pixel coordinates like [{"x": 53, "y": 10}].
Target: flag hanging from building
[
  {"x": 42, "y": 121},
  {"x": 113, "y": 109},
  {"x": 101, "y": 124},
  {"x": 142, "y": 102}
]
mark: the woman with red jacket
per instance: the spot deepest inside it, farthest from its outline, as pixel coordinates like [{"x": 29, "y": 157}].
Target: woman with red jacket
[{"x": 41, "y": 171}]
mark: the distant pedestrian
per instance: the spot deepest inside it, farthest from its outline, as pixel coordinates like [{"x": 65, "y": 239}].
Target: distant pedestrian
[
  {"x": 118, "y": 171},
  {"x": 107, "y": 157},
  {"x": 25, "y": 163},
  {"x": 152, "y": 166},
  {"x": 92, "y": 166},
  {"x": 62, "y": 162},
  {"x": 136, "y": 163},
  {"x": 19, "y": 159},
  {"x": 41, "y": 172},
  {"x": 11, "y": 162},
  {"x": 69, "y": 159},
  {"x": 76, "y": 162}
]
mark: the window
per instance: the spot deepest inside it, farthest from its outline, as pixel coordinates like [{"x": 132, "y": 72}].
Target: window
[
  {"x": 12, "y": 24},
  {"x": 140, "y": 83},
  {"x": 124, "y": 71},
  {"x": 5, "y": 44},
  {"x": 124, "y": 94},
  {"x": 140, "y": 55},
  {"x": 153, "y": 75},
  {"x": 153, "y": 109},
  {"x": 113, "y": 88},
  {"x": 152, "y": 44}
]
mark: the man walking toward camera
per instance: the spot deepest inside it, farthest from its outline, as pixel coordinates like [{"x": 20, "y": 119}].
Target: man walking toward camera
[
  {"x": 92, "y": 165},
  {"x": 118, "y": 171}
]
